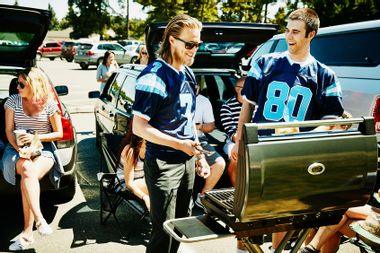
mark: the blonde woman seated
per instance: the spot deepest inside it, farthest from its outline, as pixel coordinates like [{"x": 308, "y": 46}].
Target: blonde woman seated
[
  {"x": 33, "y": 109},
  {"x": 131, "y": 166}
]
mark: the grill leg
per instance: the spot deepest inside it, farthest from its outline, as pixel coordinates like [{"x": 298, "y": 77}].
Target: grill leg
[
  {"x": 284, "y": 241},
  {"x": 301, "y": 238},
  {"x": 251, "y": 247}
]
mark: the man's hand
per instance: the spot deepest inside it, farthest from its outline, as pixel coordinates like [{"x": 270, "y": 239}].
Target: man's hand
[
  {"x": 189, "y": 147},
  {"x": 202, "y": 168}
]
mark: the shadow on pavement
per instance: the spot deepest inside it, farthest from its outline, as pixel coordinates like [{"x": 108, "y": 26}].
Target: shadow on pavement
[
  {"x": 11, "y": 222},
  {"x": 84, "y": 218}
]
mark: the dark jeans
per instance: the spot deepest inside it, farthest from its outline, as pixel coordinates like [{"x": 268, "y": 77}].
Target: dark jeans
[{"x": 170, "y": 187}]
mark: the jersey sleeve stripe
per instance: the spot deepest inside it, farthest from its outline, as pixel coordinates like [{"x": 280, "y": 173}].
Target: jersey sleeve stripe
[
  {"x": 334, "y": 90},
  {"x": 144, "y": 116},
  {"x": 255, "y": 71},
  {"x": 153, "y": 84}
]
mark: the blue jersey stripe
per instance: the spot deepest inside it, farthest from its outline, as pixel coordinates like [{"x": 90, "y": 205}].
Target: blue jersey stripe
[
  {"x": 334, "y": 90},
  {"x": 153, "y": 84},
  {"x": 255, "y": 71}
]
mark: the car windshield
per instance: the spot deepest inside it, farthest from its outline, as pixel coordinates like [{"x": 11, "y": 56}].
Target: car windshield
[
  {"x": 11, "y": 42},
  {"x": 221, "y": 47}
]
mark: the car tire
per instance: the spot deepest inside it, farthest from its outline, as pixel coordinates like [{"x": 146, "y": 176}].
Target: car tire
[
  {"x": 83, "y": 65},
  {"x": 134, "y": 59},
  {"x": 100, "y": 60},
  {"x": 69, "y": 59},
  {"x": 38, "y": 57},
  {"x": 67, "y": 193},
  {"x": 52, "y": 58}
]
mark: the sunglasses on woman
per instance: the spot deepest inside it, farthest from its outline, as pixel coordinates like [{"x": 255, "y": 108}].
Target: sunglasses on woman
[
  {"x": 189, "y": 45},
  {"x": 21, "y": 84},
  {"x": 144, "y": 53}
]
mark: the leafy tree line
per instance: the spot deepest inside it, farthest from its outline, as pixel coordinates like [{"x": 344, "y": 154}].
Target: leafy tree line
[{"x": 97, "y": 16}]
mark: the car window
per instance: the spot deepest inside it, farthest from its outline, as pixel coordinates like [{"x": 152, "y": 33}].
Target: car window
[
  {"x": 114, "y": 90},
  {"x": 52, "y": 45},
  {"x": 101, "y": 47},
  {"x": 263, "y": 49},
  {"x": 85, "y": 46},
  {"x": 127, "y": 95},
  {"x": 349, "y": 49},
  {"x": 281, "y": 46},
  {"x": 117, "y": 47}
]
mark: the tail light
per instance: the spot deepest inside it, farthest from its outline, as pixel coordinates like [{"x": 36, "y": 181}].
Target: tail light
[
  {"x": 376, "y": 114},
  {"x": 90, "y": 53},
  {"x": 68, "y": 137}
]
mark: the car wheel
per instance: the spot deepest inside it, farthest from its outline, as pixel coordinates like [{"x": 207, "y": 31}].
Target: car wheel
[
  {"x": 52, "y": 58},
  {"x": 69, "y": 59},
  {"x": 67, "y": 193},
  {"x": 83, "y": 65},
  {"x": 100, "y": 60},
  {"x": 38, "y": 57},
  {"x": 134, "y": 59}
]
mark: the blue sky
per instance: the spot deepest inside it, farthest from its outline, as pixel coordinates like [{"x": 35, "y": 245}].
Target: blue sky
[{"x": 60, "y": 6}]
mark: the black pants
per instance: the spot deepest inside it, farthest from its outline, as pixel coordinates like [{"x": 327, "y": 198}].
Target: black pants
[{"x": 170, "y": 187}]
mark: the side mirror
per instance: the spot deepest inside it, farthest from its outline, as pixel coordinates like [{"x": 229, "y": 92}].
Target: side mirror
[
  {"x": 61, "y": 90},
  {"x": 94, "y": 94}
]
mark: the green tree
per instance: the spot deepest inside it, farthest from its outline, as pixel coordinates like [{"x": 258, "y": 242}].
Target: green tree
[
  {"x": 245, "y": 11},
  {"x": 344, "y": 11},
  {"x": 205, "y": 10},
  {"x": 88, "y": 17},
  {"x": 54, "y": 23}
]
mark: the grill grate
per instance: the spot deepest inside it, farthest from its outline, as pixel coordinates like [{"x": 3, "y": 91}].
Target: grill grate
[{"x": 223, "y": 198}]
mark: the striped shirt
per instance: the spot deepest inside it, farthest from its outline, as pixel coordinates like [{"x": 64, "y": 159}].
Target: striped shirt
[
  {"x": 229, "y": 115},
  {"x": 37, "y": 123}
]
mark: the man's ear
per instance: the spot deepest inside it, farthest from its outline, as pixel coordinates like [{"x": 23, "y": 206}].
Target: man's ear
[
  {"x": 171, "y": 40},
  {"x": 312, "y": 34}
]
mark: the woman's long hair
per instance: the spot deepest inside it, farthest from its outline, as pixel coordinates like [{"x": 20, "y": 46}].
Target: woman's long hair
[
  {"x": 135, "y": 142},
  {"x": 106, "y": 56}
]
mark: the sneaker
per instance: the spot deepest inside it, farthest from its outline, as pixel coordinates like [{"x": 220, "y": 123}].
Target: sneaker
[
  {"x": 198, "y": 202},
  {"x": 22, "y": 243},
  {"x": 44, "y": 228}
]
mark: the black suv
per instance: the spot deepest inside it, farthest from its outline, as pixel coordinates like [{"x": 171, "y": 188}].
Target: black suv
[{"x": 219, "y": 71}]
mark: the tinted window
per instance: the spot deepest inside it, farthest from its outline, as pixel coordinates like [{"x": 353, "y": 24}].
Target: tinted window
[
  {"x": 263, "y": 49},
  {"x": 117, "y": 47},
  {"x": 281, "y": 46},
  {"x": 127, "y": 95},
  {"x": 350, "y": 49},
  {"x": 114, "y": 91},
  {"x": 52, "y": 45},
  {"x": 85, "y": 46}
]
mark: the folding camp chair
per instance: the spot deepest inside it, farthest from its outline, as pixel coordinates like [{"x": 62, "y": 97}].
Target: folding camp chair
[{"x": 113, "y": 191}]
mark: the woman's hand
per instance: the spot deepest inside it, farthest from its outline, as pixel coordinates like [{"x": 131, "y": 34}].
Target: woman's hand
[{"x": 25, "y": 138}]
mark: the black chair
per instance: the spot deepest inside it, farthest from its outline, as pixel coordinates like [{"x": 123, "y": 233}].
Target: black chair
[{"x": 112, "y": 190}]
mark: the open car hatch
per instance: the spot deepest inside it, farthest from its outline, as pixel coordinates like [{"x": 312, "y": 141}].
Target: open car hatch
[
  {"x": 22, "y": 31},
  {"x": 224, "y": 44}
]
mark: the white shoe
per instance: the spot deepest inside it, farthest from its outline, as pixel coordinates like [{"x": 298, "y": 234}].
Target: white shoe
[
  {"x": 22, "y": 243},
  {"x": 44, "y": 228}
]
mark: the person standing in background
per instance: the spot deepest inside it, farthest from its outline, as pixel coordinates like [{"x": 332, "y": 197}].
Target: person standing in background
[{"x": 106, "y": 68}]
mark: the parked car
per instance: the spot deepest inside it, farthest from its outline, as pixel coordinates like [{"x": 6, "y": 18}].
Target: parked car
[
  {"x": 351, "y": 50},
  {"x": 218, "y": 73},
  {"x": 125, "y": 43},
  {"x": 51, "y": 50},
  {"x": 133, "y": 52},
  {"x": 92, "y": 53},
  {"x": 33, "y": 24},
  {"x": 69, "y": 49}
]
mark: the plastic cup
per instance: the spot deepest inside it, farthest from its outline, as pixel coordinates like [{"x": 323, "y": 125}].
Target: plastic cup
[{"x": 17, "y": 133}]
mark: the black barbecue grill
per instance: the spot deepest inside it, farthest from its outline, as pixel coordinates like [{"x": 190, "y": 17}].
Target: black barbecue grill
[{"x": 288, "y": 182}]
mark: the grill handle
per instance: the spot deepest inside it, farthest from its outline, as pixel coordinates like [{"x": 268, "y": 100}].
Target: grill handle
[{"x": 366, "y": 126}]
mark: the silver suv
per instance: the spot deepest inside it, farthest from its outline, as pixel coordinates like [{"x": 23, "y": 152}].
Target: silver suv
[
  {"x": 353, "y": 52},
  {"x": 92, "y": 53}
]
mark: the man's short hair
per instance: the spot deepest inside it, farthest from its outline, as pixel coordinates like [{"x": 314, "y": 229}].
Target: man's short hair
[
  {"x": 309, "y": 16},
  {"x": 174, "y": 28}
]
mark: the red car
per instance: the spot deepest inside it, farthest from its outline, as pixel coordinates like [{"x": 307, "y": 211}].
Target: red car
[{"x": 49, "y": 50}]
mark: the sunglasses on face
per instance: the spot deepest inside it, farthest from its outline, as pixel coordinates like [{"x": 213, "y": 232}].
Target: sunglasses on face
[
  {"x": 21, "y": 84},
  {"x": 189, "y": 45},
  {"x": 144, "y": 53}
]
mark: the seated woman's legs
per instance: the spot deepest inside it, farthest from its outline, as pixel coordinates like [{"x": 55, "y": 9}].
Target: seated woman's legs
[
  {"x": 31, "y": 172},
  {"x": 141, "y": 184}
]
